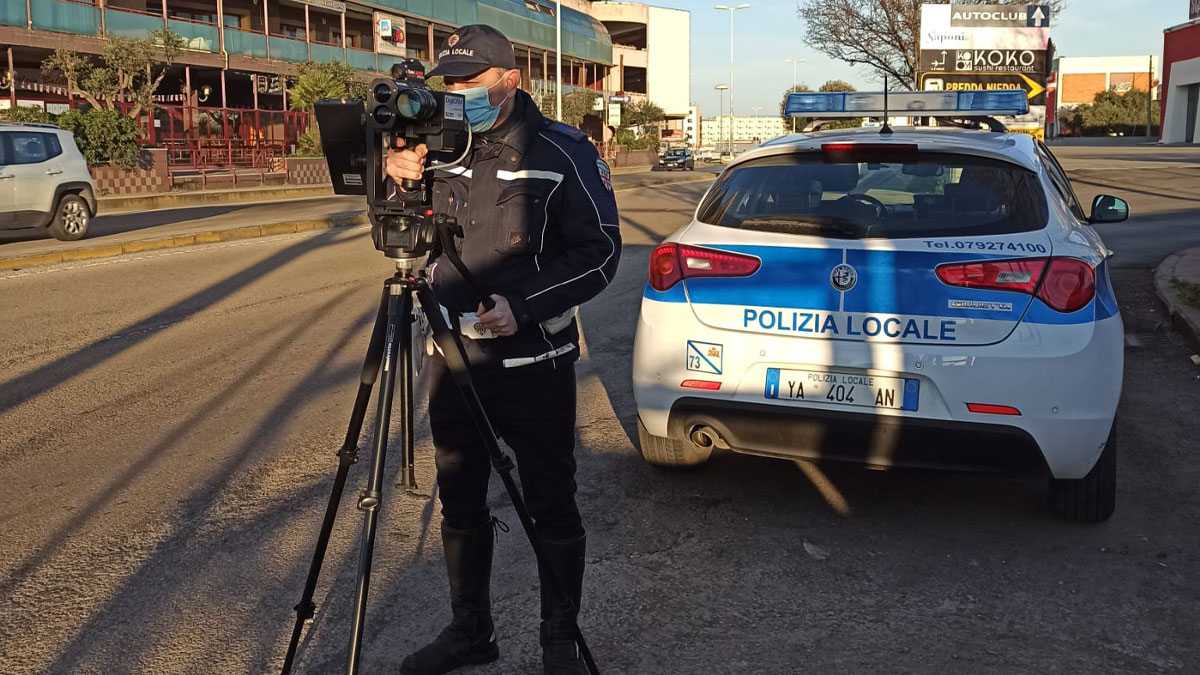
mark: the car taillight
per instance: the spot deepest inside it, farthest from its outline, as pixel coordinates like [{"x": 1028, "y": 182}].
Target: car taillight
[
  {"x": 1068, "y": 284},
  {"x": 1064, "y": 284},
  {"x": 671, "y": 263}
]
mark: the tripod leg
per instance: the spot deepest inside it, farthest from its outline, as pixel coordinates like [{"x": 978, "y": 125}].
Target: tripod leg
[
  {"x": 399, "y": 316},
  {"x": 408, "y": 476},
  {"x": 453, "y": 352},
  {"x": 347, "y": 455}
]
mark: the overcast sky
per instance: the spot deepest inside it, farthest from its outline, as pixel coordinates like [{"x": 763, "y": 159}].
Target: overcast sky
[{"x": 769, "y": 31}]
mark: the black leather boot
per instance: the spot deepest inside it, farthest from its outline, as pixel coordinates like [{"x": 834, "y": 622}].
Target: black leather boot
[
  {"x": 560, "y": 654},
  {"x": 470, "y": 638}
]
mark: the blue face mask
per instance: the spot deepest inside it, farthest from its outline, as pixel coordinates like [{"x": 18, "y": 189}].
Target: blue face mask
[{"x": 479, "y": 109}]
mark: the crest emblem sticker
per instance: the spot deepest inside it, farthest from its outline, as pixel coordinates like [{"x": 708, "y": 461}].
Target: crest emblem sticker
[
  {"x": 605, "y": 174},
  {"x": 452, "y": 41},
  {"x": 705, "y": 357},
  {"x": 843, "y": 277}
]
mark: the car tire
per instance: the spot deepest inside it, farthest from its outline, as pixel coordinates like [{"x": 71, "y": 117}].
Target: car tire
[
  {"x": 1090, "y": 499},
  {"x": 71, "y": 218},
  {"x": 668, "y": 452}
]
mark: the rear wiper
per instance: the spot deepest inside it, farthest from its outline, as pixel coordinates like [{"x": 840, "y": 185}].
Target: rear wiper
[{"x": 818, "y": 225}]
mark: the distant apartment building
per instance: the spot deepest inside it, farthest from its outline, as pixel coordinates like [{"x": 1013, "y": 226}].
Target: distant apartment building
[
  {"x": 746, "y": 130},
  {"x": 692, "y": 126}
]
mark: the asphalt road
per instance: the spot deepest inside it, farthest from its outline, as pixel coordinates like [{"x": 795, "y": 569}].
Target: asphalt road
[{"x": 167, "y": 429}]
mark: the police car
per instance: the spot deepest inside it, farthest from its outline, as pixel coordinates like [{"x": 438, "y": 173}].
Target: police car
[{"x": 931, "y": 297}]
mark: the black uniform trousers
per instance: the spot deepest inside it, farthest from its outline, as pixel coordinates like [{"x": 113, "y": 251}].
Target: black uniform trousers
[{"x": 533, "y": 411}]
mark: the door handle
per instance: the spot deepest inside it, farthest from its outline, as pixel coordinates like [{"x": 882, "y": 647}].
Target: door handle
[
  {"x": 5, "y": 175},
  {"x": 53, "y": 172}
]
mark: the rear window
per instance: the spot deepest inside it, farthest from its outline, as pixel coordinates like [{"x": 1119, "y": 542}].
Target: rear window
[
  {"x": 874, "y": 194},
  {"x": 29, "y": 147}
]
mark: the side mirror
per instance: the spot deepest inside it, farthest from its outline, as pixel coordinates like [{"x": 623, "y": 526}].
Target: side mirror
[{"x": 1108, "y": 209}]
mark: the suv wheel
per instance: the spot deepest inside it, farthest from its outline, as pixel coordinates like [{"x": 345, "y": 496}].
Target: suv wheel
[
  {"x": 1093, "y": 498},
  {"x": 668, "y": 452},
  {"x": 71, "y": 219}
]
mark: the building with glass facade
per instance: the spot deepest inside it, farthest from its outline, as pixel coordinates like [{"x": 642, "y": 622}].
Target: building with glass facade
[{"x": 240, "y": 54}]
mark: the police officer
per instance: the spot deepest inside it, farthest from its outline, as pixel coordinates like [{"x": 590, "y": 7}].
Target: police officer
[{"x": 540, "y": 230}]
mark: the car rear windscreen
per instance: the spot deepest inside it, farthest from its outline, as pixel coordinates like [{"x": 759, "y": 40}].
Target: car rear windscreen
[{"x": 867, "y": 194}]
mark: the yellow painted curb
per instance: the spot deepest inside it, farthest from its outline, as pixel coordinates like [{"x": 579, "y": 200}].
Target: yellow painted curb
[
  {"x": 89, "y": 253},
  {"x": 30, "y": 260},
  {"x": 278, "y": 228},
  {"x": 207, "y": 238},
  {"x": 148, "y": 245},
  {"x": 241, "y": 233}
]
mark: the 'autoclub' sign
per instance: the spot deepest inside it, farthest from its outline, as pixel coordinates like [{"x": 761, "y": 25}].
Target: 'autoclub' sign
[
  {"x": 1003, "y": 16},
  {"x": 984, "y": 60}
]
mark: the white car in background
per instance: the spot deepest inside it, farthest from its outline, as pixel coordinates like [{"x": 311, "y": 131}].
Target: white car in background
[
  {"x": 44, "y": 181},
  {"x": 919, "y": 297}
]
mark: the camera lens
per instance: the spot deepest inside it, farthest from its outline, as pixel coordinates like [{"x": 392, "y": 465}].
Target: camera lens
[
  {"x": 383, "y": 116},
  {"x": 416, "y": 104},
  {"x": 382, "y": 93}
]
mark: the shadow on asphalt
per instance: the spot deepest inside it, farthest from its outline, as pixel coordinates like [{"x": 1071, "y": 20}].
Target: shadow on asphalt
[
  {"x": 20, "y": 389},
  {"x": 103, "y": 225},
  {"x": 170, "y": 566},
  {"x": 1119, "y": 188}
]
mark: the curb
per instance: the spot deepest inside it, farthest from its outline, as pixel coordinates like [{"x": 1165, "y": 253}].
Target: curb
[
  {"x": 1185, "y": 317},
  {"x": 175, "y": 241},
  {"x": 182, "y": 200}
]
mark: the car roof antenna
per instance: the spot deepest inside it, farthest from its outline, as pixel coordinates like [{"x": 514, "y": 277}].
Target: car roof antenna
[{"x": 886, "y": 130}]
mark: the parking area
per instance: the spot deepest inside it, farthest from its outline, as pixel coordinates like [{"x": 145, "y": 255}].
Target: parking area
[{"x": 167, "y": 430}]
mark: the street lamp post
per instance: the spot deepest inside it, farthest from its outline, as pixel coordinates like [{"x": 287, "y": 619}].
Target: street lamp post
[
  {"x": 794, "y": 62},
  {"x": 721, "y": 106},
  {"x": 731, "y": 10}
]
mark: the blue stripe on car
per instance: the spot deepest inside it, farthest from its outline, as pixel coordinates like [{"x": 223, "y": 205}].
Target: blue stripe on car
[
  {"x": 1106, "y": 298},
  {"x": 890, "y": 282}
]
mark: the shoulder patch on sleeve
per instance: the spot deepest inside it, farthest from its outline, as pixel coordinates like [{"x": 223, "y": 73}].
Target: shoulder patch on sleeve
[
  {"x": 566, "y": 130},
  {"x": 605, "y": 173}
]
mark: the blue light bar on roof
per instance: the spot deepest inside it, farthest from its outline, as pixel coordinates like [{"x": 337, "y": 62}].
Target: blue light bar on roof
[{"x": 909, "y": 103}]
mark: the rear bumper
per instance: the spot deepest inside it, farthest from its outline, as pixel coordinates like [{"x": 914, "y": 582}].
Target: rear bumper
[
  {"x": 1064, "y": 380},
  {"x": 862, "y": 438}
]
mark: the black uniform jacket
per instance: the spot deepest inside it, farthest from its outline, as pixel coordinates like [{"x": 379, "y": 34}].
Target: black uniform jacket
[{"x": 540, "y": 227}]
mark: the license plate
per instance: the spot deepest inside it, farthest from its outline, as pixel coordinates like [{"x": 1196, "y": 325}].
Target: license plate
[{"x": 849, "y": 389}]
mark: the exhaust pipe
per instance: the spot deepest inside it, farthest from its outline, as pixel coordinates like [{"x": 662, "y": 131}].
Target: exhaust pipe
[{"x": 703, "y": 437}]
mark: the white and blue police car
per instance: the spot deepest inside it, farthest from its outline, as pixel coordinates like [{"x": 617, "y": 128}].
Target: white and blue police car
[{"x": 931, "y": 297}]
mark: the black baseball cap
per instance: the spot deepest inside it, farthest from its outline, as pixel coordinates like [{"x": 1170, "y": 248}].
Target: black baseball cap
[{"x": 470, "y": 50}]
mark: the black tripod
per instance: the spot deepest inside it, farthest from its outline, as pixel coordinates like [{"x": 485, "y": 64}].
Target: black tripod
[{"x": 391, "y": 347}]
